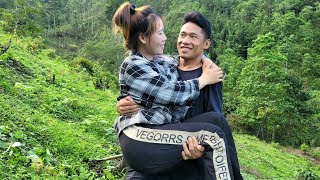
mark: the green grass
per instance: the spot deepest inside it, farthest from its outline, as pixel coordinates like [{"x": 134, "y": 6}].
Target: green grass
[
  {"x": 54, "y": 121},
  {"x": 60, "y": 124},
  {"x": 260, "y": 160}
]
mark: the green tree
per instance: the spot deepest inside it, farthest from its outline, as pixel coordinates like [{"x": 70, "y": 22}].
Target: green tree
[
  {"x": 232, "y": 66},
  {"x": 109, "y": 53},
  {"x": 262, "y": 93},
  {"x": 299, "y": 114},
  {"x": 22, "y": 17}
]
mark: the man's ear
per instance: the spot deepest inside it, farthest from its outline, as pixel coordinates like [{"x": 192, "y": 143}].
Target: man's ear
[
  {"x": 207, "y": 43},
  {"x": 142, "y": 38}
]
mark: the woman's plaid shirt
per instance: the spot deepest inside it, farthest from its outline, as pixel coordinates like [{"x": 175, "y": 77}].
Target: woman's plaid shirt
[{"x": 155, "y": 87}]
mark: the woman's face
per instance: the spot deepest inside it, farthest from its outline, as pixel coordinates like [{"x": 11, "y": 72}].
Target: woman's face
[{"x": 155, "y": 43}]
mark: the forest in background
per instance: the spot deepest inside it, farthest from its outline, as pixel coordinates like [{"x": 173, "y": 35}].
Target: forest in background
[{"x": 269, "y": 50}]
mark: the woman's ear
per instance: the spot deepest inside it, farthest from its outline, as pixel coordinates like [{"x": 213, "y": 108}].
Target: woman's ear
[{"x": 142, "y": 38}]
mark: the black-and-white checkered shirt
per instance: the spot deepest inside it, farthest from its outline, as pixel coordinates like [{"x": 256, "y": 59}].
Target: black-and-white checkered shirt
[{"x": 154, "y": 85}]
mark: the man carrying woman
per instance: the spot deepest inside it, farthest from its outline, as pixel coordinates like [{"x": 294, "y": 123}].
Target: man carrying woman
[{"x": 156, "y": 139}]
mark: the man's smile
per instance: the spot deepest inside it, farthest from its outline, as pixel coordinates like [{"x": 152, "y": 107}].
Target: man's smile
[{"x": 184, "y": 48}]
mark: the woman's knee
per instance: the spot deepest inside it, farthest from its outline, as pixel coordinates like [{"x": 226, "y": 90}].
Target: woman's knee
[
  {"x": 213, "y": 129},
  {"x": 215, "y": 118}
]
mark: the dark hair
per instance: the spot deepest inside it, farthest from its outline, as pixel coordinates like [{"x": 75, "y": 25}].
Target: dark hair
[
  {"x": 200, "y": 20},
  {"x": 132, "y": 21}
]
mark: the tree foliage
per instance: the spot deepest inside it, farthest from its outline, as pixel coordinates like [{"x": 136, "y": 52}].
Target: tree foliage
[{"x": 262, "y": 88}]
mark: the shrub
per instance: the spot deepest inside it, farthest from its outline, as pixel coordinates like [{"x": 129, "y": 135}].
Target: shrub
[
  {"x": 306, "y": 174},
  {"x": 304, "y": 147},
  {"x": 84, "y": 64},
  {"x": 49, "y": 52},
  {"x": 316, "y": 153}
]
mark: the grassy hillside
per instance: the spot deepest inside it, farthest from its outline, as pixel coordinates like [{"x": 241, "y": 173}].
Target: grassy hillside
[
  {"x": 260, "y": 160},
  {"x": 54, "y": 121},
  {"x": 52, "y": 117}
]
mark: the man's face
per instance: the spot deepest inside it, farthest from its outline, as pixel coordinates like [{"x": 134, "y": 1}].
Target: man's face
[{"x": 191, "y": 42}]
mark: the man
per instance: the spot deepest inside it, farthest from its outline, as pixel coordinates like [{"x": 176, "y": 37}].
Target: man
[{"x": 194, "y": 38}]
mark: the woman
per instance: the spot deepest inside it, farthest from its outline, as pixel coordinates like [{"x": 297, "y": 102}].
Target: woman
[{"x": 151, "y": 80}]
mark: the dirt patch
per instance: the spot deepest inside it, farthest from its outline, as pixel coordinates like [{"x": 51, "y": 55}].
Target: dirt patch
[
  {"x": 251, "y": 171},
  {"x": 18, "y": 67},
  {"x": 299, "y": 152}
]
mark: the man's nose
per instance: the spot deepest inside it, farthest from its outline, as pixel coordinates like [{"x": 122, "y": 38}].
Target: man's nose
[{"x": 186, "y": 40}]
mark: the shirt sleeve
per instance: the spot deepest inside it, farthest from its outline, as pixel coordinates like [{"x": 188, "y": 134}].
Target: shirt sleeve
[
  {"x": 148, "y": 85},
  {"x": 215, "y": 97}
]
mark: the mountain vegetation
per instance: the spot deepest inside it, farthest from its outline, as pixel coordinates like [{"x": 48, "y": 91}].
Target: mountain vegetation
[{"x": 58, "y": 84}]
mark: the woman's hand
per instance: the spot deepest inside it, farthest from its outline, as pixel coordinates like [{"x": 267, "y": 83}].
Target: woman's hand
[
  {"x": 211, "y": 74},
  {"x": 208, "y": 62}
]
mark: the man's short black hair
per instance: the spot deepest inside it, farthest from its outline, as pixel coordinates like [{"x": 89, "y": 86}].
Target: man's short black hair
[{"x": 200, "y": 20}]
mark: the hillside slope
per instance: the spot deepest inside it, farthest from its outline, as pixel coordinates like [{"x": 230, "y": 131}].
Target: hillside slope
[
  {"x": 52, "y": 116},
  {"x": 260, "y": 160},
  {"x": 54, "y": 121}
]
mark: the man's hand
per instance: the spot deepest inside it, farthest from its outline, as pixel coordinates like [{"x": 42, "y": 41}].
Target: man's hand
[
  {"x": 127, "y": 106},
  {"x": 191, "y": 149}
]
